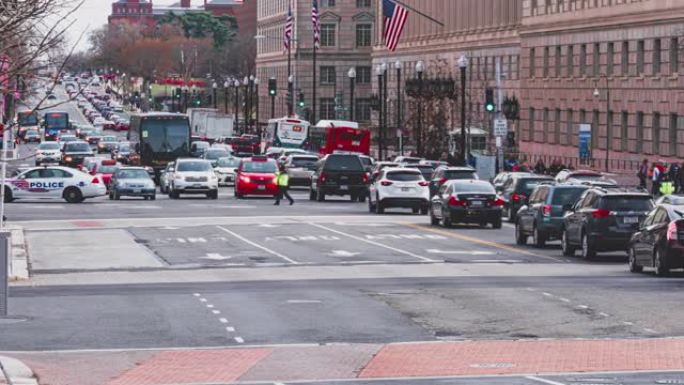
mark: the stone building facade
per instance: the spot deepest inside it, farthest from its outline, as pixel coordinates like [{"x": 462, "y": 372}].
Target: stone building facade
[{"x": 347, "y": 37}]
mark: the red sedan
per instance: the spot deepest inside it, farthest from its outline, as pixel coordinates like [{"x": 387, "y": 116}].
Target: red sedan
[
  {"x": 256, "y": 176},
  {"x": 106, "y": 169},
  {"x": 122, "y": 125}
]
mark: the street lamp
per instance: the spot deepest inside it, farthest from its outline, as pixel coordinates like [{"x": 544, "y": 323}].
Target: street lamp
[
  {"x": 236, "y": 84},
  {"x": 383, "y": 67},
  {"x": 245, "y": 111},
  {"x": 256, "y": 94},
  {"x": 352, "y": 83},
  {"x": 420, "y": 68},
  {"x": 609, "y": 134},
  {"x": 225, "y": 96},
  {"x": 290, "y": 96},
  {"x": 463, "y": 65},
  {"x": 379, "y": 73},
  {"x": 400, "y": 131},
  {"x": 214, "y": 87}
]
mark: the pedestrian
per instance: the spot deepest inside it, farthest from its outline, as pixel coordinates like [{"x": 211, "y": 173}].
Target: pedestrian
[
  {"x": 673, "y": 174},
  {"x": 657, "y": 175},
  {"x": 283, "y": 181},
  {"x": 642, "y": 174},
  {"x": 666, "y": 185},
  {"x": 540, "y": 167}
]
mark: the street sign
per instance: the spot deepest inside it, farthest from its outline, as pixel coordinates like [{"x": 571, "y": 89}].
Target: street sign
[
  {"x": 500, "y": 127},
  {"x": 584, "y": 142}
]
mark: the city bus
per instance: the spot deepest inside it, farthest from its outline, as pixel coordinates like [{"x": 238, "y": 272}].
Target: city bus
[
  {"x": 54, "y": 123},
  {"x": 158, "y": 138},
  {"x": 26, "y": 120},
  {"x": 287, "y": 133},
  {"x": 335, "y": 136}
]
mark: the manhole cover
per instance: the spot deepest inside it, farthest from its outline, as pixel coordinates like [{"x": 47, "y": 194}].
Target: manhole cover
[{"x": 493, "y": 365}]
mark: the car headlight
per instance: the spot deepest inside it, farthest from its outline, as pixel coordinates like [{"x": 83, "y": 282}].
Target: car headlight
[
  {"x": 68, "y": 159},
  {"x": 245, "y": 178}
]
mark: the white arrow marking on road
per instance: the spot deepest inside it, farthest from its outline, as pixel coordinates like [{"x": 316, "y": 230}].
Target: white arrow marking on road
[
  {"x": 437, "y": 251},
  {"x": 215, "y": 257},
  {"x": 343, "y": 253}
]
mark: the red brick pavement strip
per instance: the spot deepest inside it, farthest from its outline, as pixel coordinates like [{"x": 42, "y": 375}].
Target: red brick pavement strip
[
  {"x": 524, "y": 357},
  {"x": 193, "y": 367}
]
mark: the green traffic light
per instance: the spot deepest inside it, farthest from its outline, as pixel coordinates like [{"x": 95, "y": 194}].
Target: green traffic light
[{"x": 489, "y": 107}]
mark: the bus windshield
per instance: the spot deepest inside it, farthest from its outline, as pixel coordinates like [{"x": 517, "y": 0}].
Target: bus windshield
[
  {"x": 165, "y": 135},
  {"x": 27, "y": 119},
  {"x": 57, "y": 120}
]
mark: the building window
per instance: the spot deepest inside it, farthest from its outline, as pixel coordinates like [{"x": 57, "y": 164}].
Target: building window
[
  {"x": 327, "y": 3},
  {"x": 624, "y": 132},
  {"x": 363, "y": 110},
  {"x": 571, "y": 61},
  {"x": 640, "y": 57},
  {"x": 530, "y": 132},
  {"x": 674, "y": 145},
  {"x": 363, "y": 75},
  {"x": 327, "y": 75},
  {"x": 625, "y": 58},
  {"x": 610, "y": 58},
  {"x": 545, "y": 125},
  {"x": 363, "y": 3},
  {"x": 545, "y": 62},
  {"x": 556, "y": 127},
  {"x": 583, "y": 60},
  {"x": 558, "y": 61},
  {"x": 569, "y": 133},
  {"x": 639, "y": 132},
  {"x": 532, "y": 60},
  {"x": 674, "y": 55},
  {"x": 596, "y": 61},
  {"x": 328, "y": 35},
  {"x": 656, "y": 133},
  {"x": 656, "y": 56},
  {"x": 363, "y": 35},
  {"x": 327, "y": 108},
  {"x": 609, "y": 130}
]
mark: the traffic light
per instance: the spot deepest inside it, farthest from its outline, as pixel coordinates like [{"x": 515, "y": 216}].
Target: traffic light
[
  {"x": 301, "y": 100},
  {"x": 489, "y": 100},
  {"x": 272, "y": 87}
]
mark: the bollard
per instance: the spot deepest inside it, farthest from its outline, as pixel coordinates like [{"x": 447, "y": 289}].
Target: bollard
[{"x": 4, "y": 271}]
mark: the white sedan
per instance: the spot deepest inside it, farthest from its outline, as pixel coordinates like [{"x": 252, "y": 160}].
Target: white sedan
[
  {"x": 399, "y": 187},
  {"x": 54, "y": 182}
]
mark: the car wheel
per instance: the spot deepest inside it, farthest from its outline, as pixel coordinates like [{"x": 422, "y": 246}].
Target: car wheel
[
  {"x": 8, "y": 195},
  {"x": 497, "y": 223},
  {"x": 660, "y": 264},
  {"x": 446, "y": 220},
  {"x": 362, "y": 198},
  {"x": 213, "y": 195},
  {"x": 111, "y": 197},
  {"x": 588, "y": 249},
  {"x": 568, "y": 250},
  {"x": 353, "y": 198},
  {"x": 73, "y": 195},
  {"x": 379, "y": 208},
  {"x": 173, "y": 194},
  {"x": 153, "y": 197},
  {"x": 423, "y": 211},
  {"x": 633, "y": 265},
  {"x": 116, "y": 196},
  {"x": 371, "y": 206},
  {"x": 520, "y": 237},
  {"x": 320, "y": 196},
  {"x": 538, "y": 237}
]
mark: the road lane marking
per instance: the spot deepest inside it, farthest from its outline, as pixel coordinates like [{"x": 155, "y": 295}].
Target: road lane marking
[
  {"x": 303, "y": 301},
  {"x": 651, "y": 331},
  {"x": 547, "y": 294},
  {"x": 496, "y": 245},
  {"x": 210, "y": 306},
  {"x": 544, "y": 380},
  {"x": 258, "y": 246},
  {"x": 628, "y": 323},
  {"x": 239, "y": 340},
  {"x": 203, "y": 300},
  {"x": 563, "y": 299},
  {"x": 217, "y": 312},
  {"x": 437, "y": 251},
  {"x": 223, "y": 320},
  {"x": 602, "y": 314},
  {"x": 230, "y": 329},
  {"x": 496, "y": 261},
  {"x": 420, "y": 257}
]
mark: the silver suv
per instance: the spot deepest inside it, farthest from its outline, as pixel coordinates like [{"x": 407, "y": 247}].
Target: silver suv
[{"x": 193, "y": 176}]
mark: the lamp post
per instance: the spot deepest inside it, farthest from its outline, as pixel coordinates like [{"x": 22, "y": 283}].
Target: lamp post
[
  {"x": 251, "y": 101},
  {"x": 185, "y": 98},
  {"x": 290, "y": 98},
  {"x": 378, "y": 72},
  {"x": 609, "y": 134},
  {"x": 352, "y": 83},
  {"x": 400, "y": 131},
  {"x": 236, "y": 84},
  {"x": 462, "y": 65},
  {"x": 383, "y": 67},
  {"x": 256, "y": 96},
  {"x": 225, "y": 96},
  {"x": 213, "y": 97},
  {"x": 245, "y": 82},
  {"x": 420, "y": 68}
]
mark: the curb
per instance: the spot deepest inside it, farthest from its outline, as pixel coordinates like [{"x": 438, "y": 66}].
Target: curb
[
  {"x": 19, "y": 262},
  {"x": 16, "y": 372}
]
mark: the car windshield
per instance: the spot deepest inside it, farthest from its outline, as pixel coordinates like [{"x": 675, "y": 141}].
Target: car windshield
[
  {"x": 459, "y": 174},
  {"x": 527, "y": 185},
  {"x": 107, "y": 169},
  {"x": 229, "y": 162},
  {"x": 196, "y": 166},
  {"x": 126, "y": 148},
  {"x": 216, "y": 154},
  {"x": 260, "y": 167},
  {"x": 77, "y": 147},
  {"x": 563, "y": 196},
  {"x": 627, "y": 203},
  {"x": 343, "y": 163},
  {"x": 109, "y": 138},
  {"x": 484, "y": 188},
  {"x": 49, "y": 146},
  {"x": 404, "y": 176},
  {"x": 132, "y": 174},
  {"x": 304, "y": 162},
  {"x": 366, "y": 161}
]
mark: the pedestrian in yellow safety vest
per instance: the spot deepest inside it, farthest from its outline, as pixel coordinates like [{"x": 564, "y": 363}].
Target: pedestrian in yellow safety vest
[
  {"x": 667, "y": 187},
  {"x": 283, "y": 181}
]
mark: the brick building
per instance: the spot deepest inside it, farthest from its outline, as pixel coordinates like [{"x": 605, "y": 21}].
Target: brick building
[{"x": 347, "y": 36}]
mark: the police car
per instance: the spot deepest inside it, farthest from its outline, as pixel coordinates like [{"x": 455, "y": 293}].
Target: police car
[{"x": 54, "y": 182}]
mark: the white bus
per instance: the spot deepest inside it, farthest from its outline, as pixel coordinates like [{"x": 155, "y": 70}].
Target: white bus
[{"x": 287, "y": 133}]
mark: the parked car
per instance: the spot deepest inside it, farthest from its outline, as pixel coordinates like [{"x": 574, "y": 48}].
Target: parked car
[
  {"x": 132, "y": 181},
  {"x": 542, "y": 216},
  {"x": 604, "y": 220},
  {"x": 339, "y": 174},
  {"x": 443, "y": 174},
  {"x": 399, "y": 187},
  {"x": 300, "y": 168},
  {"x": 659, "y": 242},
  {"x": 517, "y": 190},
  {"x": 466, "y": 201}
]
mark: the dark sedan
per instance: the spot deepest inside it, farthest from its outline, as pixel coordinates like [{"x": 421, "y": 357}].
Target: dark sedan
[
  {"x": 659, "y": 243},
  {"x": 466, "y": 201}
]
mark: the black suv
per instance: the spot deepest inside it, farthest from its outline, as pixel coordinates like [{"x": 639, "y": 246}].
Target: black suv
[
  {"x": 443, "y": 174},
  {"x": 604, "y": 220},
  {"x": 339, "y": 174},
  {"x": 517, "y": 189},
  {"x": 74, "y": 152}
]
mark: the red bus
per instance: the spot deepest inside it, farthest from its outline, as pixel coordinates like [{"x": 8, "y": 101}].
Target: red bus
[{"x": 334, "y": 136}]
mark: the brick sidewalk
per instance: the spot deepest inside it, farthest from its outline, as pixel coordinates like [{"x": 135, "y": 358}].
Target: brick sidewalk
[{"x": 342, "y": 361}]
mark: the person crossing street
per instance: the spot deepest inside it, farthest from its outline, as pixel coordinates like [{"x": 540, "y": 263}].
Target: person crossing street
[{"x": 283, "y": 181}]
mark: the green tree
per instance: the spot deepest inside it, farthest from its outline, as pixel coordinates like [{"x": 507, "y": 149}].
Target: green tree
[{"x": 222, "y": 29}]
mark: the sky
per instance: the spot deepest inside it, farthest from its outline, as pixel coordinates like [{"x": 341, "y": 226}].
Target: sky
[{"x": 93, "y": 15}]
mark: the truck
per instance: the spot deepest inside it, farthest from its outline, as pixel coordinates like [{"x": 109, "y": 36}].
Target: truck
[{"x": 210, "y": 124}]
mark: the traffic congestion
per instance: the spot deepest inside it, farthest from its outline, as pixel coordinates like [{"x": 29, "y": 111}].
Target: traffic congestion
[{"x": 140, "y": 156}]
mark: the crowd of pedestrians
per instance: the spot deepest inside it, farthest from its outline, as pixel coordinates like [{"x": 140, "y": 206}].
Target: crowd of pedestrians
[{"x": 665, "y": 178}]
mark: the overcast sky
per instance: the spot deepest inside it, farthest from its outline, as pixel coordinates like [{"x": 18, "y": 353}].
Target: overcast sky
[{"x": 93, "y": 14}]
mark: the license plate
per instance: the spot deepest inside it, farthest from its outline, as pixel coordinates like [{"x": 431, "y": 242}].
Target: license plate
[
  {"x": 476, "y": 203},
  {"x": 405, "y": 189},
  {"x": 630, "y": 220},
  {"x": 137, "y": 190},
  {"x": 197, "y": 186},
  {"x": 344, "y": 187},
  {"x": 261, "y": 187}
]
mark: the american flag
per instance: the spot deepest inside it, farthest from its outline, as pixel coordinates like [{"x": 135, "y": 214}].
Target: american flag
[
  {"x": 289, "y": 25},
  {"x": 316, "y": 20},
  {"x": 395, "y": 19}
]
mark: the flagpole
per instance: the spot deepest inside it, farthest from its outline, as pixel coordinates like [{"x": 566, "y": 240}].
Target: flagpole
[
  {"x": 419, "y": 12},
  {"x": 313, "y": 87},
  {"x": 290, "y": 101}
]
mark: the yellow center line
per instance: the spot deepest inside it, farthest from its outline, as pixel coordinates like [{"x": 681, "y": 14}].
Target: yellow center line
[{"x": 480, "y": 241}]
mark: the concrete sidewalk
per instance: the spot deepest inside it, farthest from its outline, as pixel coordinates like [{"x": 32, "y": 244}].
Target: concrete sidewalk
[{"x": 288, "y": 363}]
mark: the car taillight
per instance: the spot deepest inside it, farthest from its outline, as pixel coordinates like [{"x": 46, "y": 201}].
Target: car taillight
[
  {"x": 600, "y": 213},
  {"x": 498, "y": 202},
  {"x": 456, "y": 202},
  {"x": 546, "y": 210},
  {"x": 386, "y": 183},
  {"x": 95, "y": 180},
  {"x": 672, "y": 231},
  {"x": 442, "y": 181},
  {"x": 424, "y": 183},
  {"x": 322, "y": 177},
  {"x": 518, "y": 197}
]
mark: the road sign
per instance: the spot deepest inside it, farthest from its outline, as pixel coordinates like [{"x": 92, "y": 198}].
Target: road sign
[
  {"x": 500, "y": 127},
  {"x": 584, "y": 141}
]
